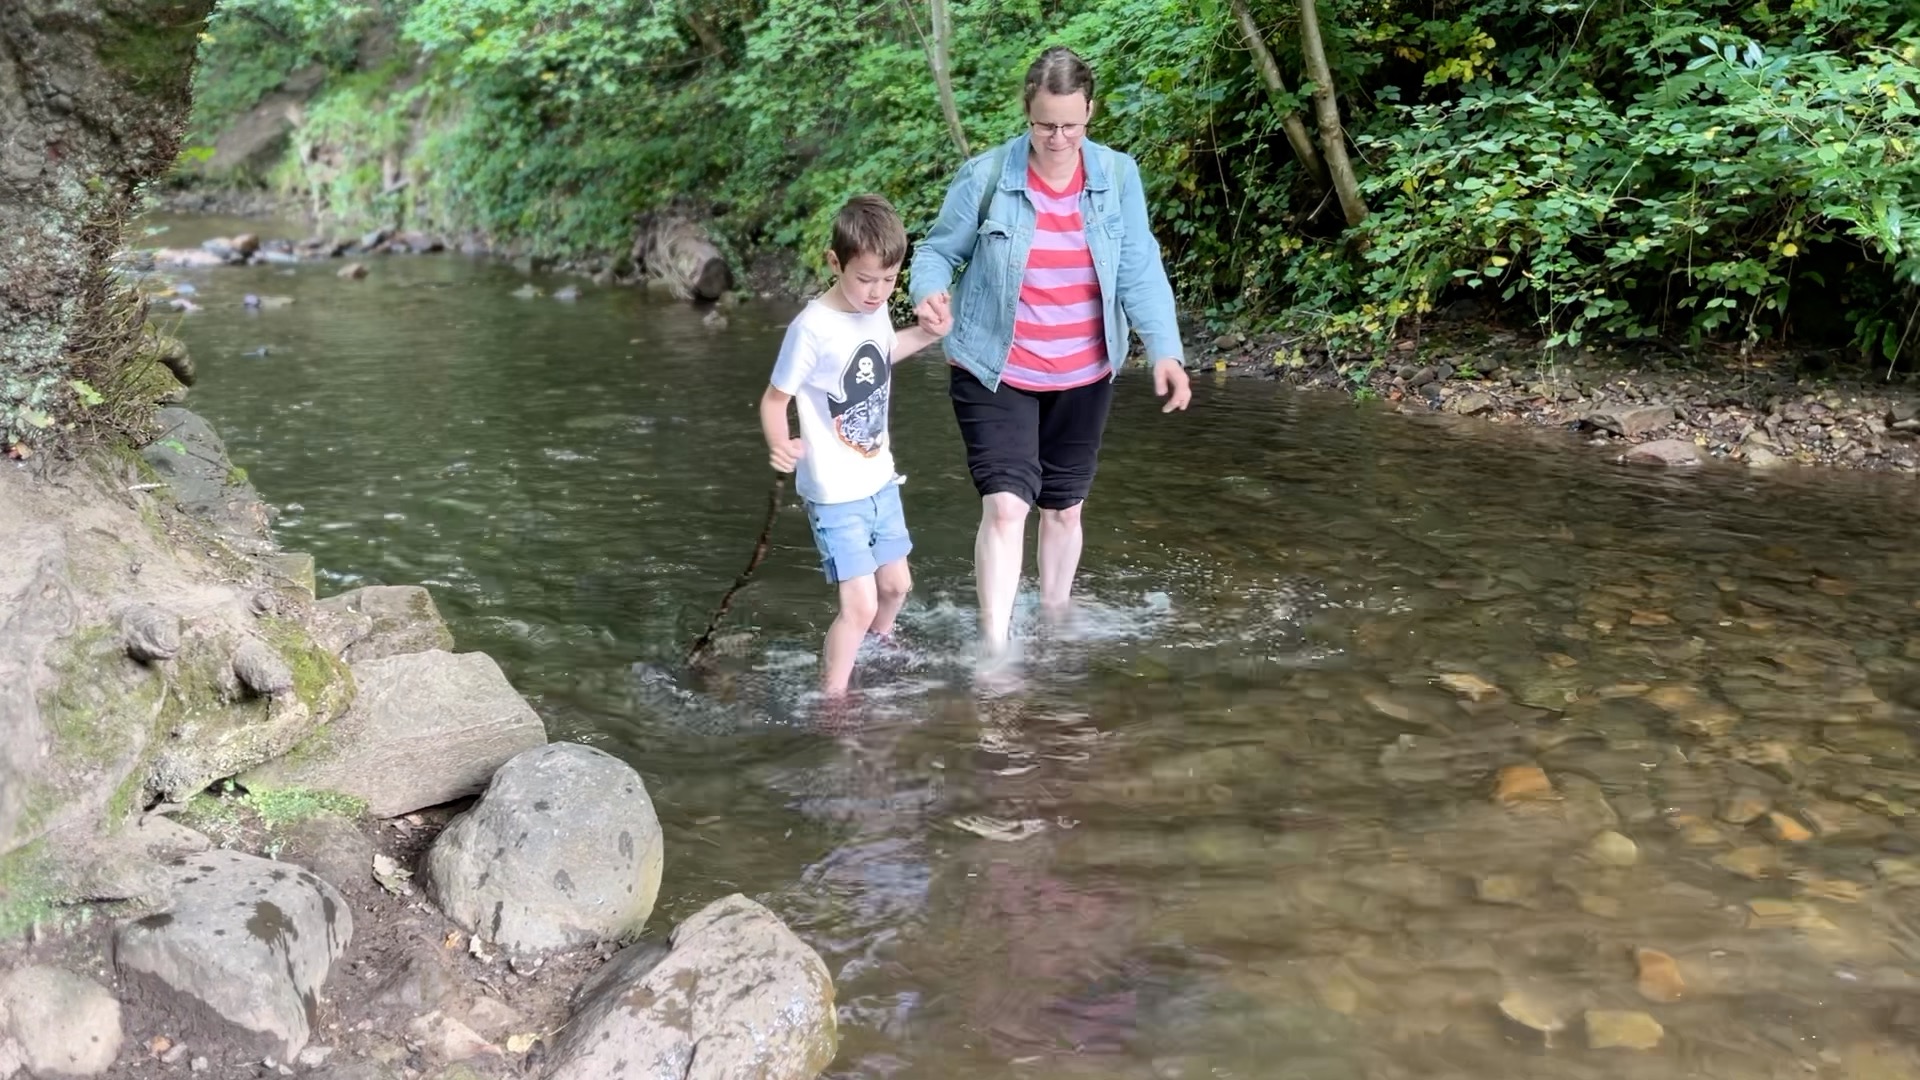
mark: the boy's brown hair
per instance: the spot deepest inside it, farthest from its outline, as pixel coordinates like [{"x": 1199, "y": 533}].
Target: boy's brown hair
[{"x": 869, "y": 225}]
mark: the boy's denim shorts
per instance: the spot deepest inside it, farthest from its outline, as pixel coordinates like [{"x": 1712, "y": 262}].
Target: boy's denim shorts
[{"x": 859, "y": 537}]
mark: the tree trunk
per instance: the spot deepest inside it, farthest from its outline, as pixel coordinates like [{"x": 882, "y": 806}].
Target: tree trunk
[
  {"x": 677, "y": 253},
  {"x": 943, "y": 76},
  {"x": 1333, "y": 138},
  {"x": 709, "y": 38},
  {"x": 93, "y": 96},
  {"x": 1290, "y": 122}
]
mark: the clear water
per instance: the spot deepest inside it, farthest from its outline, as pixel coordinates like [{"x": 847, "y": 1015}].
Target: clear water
[{"x": 1245, "y": 827}]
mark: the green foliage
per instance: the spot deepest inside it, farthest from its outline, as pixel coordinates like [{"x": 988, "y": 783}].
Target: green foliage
[
  {"x": 250, "y": 47},
  {"x": 1697, "y": 207},
  {"x": 1684, "y": 168}
]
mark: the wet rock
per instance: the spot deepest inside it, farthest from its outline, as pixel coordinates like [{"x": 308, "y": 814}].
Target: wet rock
[
  {"x": 1536, "y": 1011},
  {"x": 1472, "y": 687},
  {"x": 1692, "y": 713},
  {"x": 1821, "y": 887},
  {"x": 1622, "y": 1029},
  {"x": 1584, "y": 807},
  {"x": 63, "y": 1024},
  {"x": 1754, "y": 862},
  {"x": 1767, "y": 913},
  {"x": 352, "y": 272},
  {"x": 1658, "y": 976},
  {"x": 1744, "y": 805},
  {"x": 404, "y": 620},
  {"x": 1635, "y": 808},
  {"x": 1664, "y": 452},
  {"x": 1612, "y": 849},
  {"x": 1898, "y": 873},
  {"x": 1837, "y": 822},
  {"x": 1473, "y": 403},
  {"x": 738, "y": 985},
  {"x": 563, "y": 850},
  {"x": 567, "y": 294},
  {"x": 1509, "y": 889},
  {"x": 260, "y": 669},
  {"x": 425, "y": 729},
  {"x": 1786, "y": 830},
  {"x": 526, "y": 292},
  {"x": 240, "y": 955},
  {"x": 1631, "y": 421},
  {"x": 151, "y": 634},
  {"x": 1522, "y": 783}
]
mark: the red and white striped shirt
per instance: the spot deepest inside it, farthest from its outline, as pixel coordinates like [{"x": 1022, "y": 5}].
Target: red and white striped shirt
[{"x": 1059, "y": 336}]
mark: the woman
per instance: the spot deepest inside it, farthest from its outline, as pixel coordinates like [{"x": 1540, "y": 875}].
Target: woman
[{"x": 1059, "y": 261}]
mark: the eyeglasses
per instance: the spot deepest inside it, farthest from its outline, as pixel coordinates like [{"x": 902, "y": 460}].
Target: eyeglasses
[{"x": 1071, "y": 131}]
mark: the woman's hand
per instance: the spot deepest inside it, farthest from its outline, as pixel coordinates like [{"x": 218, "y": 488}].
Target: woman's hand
[
  {"x": 786, "y": 454},
  {"x": 1170, "y": 382},
  {"x": 936, "y": 314}
]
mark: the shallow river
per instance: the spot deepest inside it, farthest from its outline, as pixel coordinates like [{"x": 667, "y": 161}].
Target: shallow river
[{"x": 1242, "y": 817}]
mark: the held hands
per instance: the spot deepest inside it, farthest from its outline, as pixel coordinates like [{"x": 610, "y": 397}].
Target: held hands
[
  {"x": 785, "y": 455},
  {"x": 1170, "y": 382},
  {"x": 936, "y": 314}
]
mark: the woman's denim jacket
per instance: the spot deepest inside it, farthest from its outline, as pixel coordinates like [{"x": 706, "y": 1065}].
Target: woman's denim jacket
[{"x": 991, "y": 245}]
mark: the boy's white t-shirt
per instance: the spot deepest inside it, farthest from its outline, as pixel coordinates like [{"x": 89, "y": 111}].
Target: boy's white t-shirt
[{"x": 837, "y": 365}]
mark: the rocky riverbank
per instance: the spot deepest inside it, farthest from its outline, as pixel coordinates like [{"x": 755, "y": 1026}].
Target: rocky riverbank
[
  {"x": 1659, "y": 406},
  {"x": 247, "y": 832}
]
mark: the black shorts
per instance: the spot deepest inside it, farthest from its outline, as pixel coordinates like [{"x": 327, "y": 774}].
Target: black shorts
[{"x": 1042, "y": 445}]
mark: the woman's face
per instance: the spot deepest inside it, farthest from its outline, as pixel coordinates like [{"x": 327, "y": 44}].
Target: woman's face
[{"x": 1059, "y": 122}]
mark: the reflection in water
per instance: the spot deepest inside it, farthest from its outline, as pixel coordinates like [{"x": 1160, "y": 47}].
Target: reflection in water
[{"x": 1239, "y": 818}]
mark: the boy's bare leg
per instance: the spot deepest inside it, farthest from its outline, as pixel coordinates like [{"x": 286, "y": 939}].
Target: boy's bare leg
[
  {"x": 1060, "y": 541},
  {"x": 997, "y": 550},
  {"x": 892, "y": 584},
  {"x": 859, "y": 603}
]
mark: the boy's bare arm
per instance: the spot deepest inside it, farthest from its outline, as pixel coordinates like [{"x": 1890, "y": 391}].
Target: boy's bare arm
[
  {"x": 910, "y": 341},
  {"x": 783, "y": 450}
]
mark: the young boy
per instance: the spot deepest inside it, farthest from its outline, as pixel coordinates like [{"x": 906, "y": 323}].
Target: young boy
[{"x": 837, "y": 364}]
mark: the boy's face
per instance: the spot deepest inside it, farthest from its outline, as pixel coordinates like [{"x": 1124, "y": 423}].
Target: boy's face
[{"x": 864, "y": 283}]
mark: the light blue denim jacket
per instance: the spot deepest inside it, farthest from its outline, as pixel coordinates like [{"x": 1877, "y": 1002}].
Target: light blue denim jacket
[{"x": 993, "y": 249}]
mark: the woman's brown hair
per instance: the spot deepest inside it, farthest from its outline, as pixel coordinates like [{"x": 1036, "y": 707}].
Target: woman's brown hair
[{"x": 1059, "y": 71}]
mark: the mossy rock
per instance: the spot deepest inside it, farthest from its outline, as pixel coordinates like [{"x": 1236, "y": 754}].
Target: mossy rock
[
  {"x": 101, "y": 714},
  {"x": 217, "y": 731}
]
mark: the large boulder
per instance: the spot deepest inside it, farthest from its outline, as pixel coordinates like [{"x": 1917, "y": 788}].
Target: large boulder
[
  {"x": 737, "y": 984},
  {"x": 63, "y": 1024},
  {"x": 401, "y": 619},
  {"x": 239, "y": 956},
  {"x": 563, "y": 850},
  {"x": 426, "y": 728}
]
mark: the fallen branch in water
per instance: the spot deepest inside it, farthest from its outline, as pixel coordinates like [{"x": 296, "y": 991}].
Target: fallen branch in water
[{"x": 705, "y": 641}]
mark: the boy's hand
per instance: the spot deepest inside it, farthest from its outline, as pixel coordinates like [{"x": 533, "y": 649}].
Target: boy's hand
[
  {"x": 935, "y": 314},
  {"x": 783, "y": 456}
]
